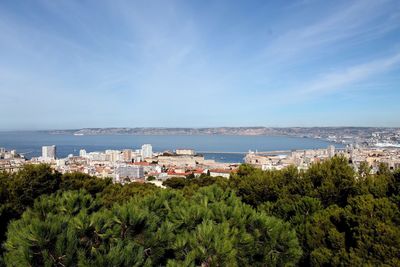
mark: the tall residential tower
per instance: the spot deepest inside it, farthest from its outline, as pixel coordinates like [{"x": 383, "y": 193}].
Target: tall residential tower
[
  {"x": 147, "y": 151},
  {"x": 49, "y": 152}
]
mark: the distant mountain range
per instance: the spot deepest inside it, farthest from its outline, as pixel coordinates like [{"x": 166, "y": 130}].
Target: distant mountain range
[
  {"x": 170, "y": 131},
  {"x": 321, "y": 132}
]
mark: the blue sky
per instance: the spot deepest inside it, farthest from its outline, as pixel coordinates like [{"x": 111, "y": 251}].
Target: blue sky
[{"x": 74, "y": 64}]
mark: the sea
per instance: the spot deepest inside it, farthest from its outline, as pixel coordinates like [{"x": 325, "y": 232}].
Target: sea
[{"x": 221, "y": 148}]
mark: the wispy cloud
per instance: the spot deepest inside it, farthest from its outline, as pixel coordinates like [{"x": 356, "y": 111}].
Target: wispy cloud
[
  {"x": 339, "y": 80},
  {"x": 352, "y": 23}
]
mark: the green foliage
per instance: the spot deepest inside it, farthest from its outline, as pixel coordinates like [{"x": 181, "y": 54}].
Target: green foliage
[
  {"x": 77, "y": 181},
  {"x": 117, "y": 193},
  {"x": 205, "y": 180},
  {"x": 151, "y": 178},
  {"x": 328, "y": 215},
  {"x": 176, "y": 182},
  {"x": 257, "y": 187},
  {"x": 394, "y": 184},
  {"x": 4, "y": 179},
  {"x": 18, "y": 191},
  {"x": 327, "y": 206},
  {"x": 213, "y": 228},
  {"x": 375, "y": 235},
  {"x": 364, "y": 170},
  {"x": 333, "y": 180},
  {"x": 31, "y": 182}
]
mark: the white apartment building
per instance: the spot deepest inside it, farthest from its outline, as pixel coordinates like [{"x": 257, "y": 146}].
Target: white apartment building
[
  {"x": 82, "y": 153},
  {"x": 129, "y": 172},
  {"x": 49, "y": 152},
  {"x": 185, "y": 151},
  {"x": 147, "y": 151},
  {"x": 114, "y": 155}
]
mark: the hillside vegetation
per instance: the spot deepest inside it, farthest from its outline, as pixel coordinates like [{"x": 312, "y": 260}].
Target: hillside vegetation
[{"x": 325, "y": 216}]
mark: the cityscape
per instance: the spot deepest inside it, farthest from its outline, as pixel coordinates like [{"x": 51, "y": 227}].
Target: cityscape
[
  {"x": 145, "y": 165},
  {"x": 174, "y": 133}
]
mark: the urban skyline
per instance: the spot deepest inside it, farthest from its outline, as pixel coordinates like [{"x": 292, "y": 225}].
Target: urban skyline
[
  {"x": 199, "y": 64},
  {"x": 199, "y": 133},
  {"x": 145, "y": 165}
]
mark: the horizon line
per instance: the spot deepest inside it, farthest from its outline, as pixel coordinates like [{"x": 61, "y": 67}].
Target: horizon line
[{"x": 202, "y": 127}]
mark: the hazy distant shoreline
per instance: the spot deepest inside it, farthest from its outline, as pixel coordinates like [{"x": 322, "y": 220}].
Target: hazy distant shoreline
[
  {"x": 285, "y": 131},
  {"x": 367, "y": 136}
]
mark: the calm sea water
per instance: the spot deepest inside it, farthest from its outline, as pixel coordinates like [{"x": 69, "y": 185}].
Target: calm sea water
[{"x": 31, "y": 143}]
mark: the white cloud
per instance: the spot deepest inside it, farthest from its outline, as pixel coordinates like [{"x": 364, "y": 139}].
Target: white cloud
[
  {"x": 355, "y": 22},
  {"x": 340, "y": 79}
]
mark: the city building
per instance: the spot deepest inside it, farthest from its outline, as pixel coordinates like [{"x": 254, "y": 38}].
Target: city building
[
  {"x": 49, "y": 152},
  {"x": 127, "y": 155},
  {"x": 220, "y": 173},
  {"x": 331, "y": 151},
  {"x": 82, "y": 153},
  {"x": 147, "y": 151},
  {"x": 127, "y": 173},
  {"x": 185, "y": 151},
  {"x": 300, "y": 158}
]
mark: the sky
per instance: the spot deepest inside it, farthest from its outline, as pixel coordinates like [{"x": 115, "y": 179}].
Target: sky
[{"x": 92, "y": 63}]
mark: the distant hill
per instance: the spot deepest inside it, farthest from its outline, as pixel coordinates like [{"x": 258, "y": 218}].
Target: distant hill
[
  {"x": 291, "y": 131},
  {"x": 171, "y": 131}
]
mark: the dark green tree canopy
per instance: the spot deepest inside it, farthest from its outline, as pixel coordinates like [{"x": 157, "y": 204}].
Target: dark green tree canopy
[
  {"x": 213, "y": 228},
  {"x": 329, "y": 215}
]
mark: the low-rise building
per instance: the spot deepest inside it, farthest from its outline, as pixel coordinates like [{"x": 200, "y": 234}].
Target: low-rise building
[
  {"x": 128, "y": 173},
  {"x": 220, "y": 173},
  {"x": 185, "y": 151}
]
